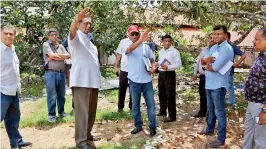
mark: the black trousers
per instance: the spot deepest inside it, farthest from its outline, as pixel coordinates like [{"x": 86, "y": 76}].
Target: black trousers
[
  {"x": 203, "y": 98},
  {"x": 123, "y": 84},
  {"x": 167, "y": 93}
]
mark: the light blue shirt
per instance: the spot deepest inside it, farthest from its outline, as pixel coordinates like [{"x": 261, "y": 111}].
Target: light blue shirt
[
  {"x": 215, "y": 80},
  {"x": 136, "y": 66}
]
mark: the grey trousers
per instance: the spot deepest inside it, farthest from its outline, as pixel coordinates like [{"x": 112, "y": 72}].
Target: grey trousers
[
  {"x": 255, "y": 135},
  {"x": 85, "y": 102}
]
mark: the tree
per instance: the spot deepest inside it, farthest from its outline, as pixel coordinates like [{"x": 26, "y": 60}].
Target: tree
[{"x": 34, "y": 17}]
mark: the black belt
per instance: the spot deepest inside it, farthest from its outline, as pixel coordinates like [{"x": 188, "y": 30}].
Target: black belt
[
  {"x": 166, "y": 71},
  {"x": 53, "y": 70}
]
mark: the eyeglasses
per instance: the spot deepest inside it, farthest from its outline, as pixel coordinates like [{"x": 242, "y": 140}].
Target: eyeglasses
[
  {"x": 53, "y": 35},
  {"x": 134, "y": 34}
]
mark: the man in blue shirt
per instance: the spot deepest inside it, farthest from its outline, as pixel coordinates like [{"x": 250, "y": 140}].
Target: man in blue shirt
[
  {"x": 238, "y": 52},
  {"x": 216, "y": 83},
  {"x": 140, "y": 80}
]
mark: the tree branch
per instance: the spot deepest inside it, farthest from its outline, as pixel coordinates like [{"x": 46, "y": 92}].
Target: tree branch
[
  {"x": 244, "y": 35},
  {"x": 255, "y": 17}
]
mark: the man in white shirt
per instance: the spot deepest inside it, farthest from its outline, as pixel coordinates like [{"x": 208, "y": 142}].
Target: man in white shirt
[
  {"x": 198, "y": 69},
  {"x": 10, "y": 87},
  {"x": 123, "y": 80},
  {"x": 85, "y": 79},
  {"x": 169, "y": 61}
]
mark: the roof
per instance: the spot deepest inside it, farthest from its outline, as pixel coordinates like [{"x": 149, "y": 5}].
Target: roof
[{"x": 248, "y": 41}]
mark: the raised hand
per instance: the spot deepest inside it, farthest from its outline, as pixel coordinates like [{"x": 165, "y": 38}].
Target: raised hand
[
  {"x": 145, "y": 35},
  {"x": 82, "y": 14}
]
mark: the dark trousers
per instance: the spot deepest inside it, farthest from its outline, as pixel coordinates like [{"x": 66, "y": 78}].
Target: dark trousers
[
  {"x": 203, "y": 98},
  {"x": 123, "y": 84},
  {"x": 10, "y": 113},
  {"x": 167, "y": 93}
]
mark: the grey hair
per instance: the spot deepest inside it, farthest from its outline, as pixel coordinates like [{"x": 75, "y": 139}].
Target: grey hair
[
  {"x": 49, "y": 31},
  {"x": 4, "y": 26},
  {"x": 263, "y": 30}
]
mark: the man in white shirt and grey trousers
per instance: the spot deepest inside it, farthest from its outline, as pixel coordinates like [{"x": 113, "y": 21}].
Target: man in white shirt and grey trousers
[
  {"x": 85, "y": 79},
  {"x": 169, "y": 61}
]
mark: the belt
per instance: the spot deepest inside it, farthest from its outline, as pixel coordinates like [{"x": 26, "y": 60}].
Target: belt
[
  {"x": 166, "y": 71},
  {"x": 53, "y": 70}
]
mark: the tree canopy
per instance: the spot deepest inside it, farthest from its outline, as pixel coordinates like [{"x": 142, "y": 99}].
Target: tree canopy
[{"x": 111, "y": 19}]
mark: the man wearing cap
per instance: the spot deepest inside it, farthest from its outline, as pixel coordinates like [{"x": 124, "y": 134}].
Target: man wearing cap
[
  {"x": 54, "y": 55},
  {"x": 85, "y": 79},
  {"x": 123, "y": 80},
  {"x": 140, "y": 80}
]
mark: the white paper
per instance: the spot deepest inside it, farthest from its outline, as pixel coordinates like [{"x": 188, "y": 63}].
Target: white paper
[{"x": 226, "y": 67}]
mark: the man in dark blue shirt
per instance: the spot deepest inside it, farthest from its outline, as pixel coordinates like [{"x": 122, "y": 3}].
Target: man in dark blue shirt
[{"x": 238, "y": 52}]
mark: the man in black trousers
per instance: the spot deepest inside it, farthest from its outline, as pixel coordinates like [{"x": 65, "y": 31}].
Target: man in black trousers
[
  {"x": 123, "y": 80},
  {"x": 198, "y": 70},
  {"x": 169, "y": 61}
]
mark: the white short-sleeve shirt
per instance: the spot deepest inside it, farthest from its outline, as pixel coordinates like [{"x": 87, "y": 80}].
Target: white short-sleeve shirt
[
  {"x": 85, "y": 70},
  {"x": 122, "y": 50},
  {"x": 10, "y": 78}
]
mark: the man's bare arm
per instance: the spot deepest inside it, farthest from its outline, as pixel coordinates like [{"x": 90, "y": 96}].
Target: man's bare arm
[
  {"x": 243, "y": 57},
  {"x": 74, "y": 25},
  {"x": 143, "y": 37}
]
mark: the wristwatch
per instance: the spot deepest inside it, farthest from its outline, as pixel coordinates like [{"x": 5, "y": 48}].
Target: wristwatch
[{"x": 263, "y": 110}]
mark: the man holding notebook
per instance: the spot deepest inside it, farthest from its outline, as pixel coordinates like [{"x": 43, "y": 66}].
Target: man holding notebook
[
  {"x": 218, "y": 63},
  {"x": 169, "y": 61},
  {"x": 140, "y": 80}
]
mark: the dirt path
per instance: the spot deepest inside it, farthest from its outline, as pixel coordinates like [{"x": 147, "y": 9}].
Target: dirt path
[{"x": 181, "y": 134}]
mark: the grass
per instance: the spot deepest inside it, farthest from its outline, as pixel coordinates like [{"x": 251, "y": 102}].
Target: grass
[
  {"x": 108, "y": 72},
  {"x": 37, "y": 113},
  {"x": 39, "y": 117},
  {"x": 110, "y": 95},
  {"x": 33, "y": 89}
]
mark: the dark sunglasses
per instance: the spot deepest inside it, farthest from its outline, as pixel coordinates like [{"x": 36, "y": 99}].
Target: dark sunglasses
[{"x": 134, "y": 34}]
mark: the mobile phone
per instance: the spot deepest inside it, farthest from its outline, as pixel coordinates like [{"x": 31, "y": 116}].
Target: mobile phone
[{"x": 257, "y": 119}]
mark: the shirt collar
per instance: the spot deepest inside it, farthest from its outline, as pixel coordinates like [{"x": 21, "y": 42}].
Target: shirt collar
[
  {"x": 223, "y": 43},
  {"x": 83, "y": 34},
  {"x": 50, "y": 42},
  {"x": 169, "y": 49},
  {"x": 3, "y": 46}
]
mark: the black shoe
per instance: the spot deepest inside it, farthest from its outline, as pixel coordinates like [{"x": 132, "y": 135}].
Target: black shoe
[
  {"x": 168, "y": 119},
  {"x": 152, "y": 131},
  {"x": 136, "y": 130},
  {"x": 87, "y": 146},
  {"x": 25, "y": 144},
  {"x": 198, "y": 115},
  {"x": 94, "y": 138},
  {"x": 120, "y": 110},
  {"x": 161, "y": 114},
  {"x": 204, "y": 132}
]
